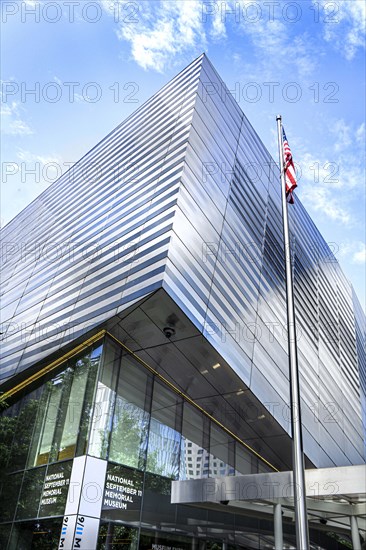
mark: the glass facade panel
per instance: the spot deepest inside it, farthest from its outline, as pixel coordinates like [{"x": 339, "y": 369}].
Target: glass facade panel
[
  {"x": 164, "y": 437},
  {"x": 222, "y": 454},
  {"x": 157, "y": 490},
  {"x": 16, "y": 429},
  {"x": 122, "y": 494},
  {"x": 55, "y": 489},
  {"x": 104, "y": 402},
  {"x": 88, "y": 403},
  {"x": 66, "y": 442},
  {"x": 30, "y": 493},
  {"x": 36, "y": 535},
  {"x": 46, "y": 421},
  {"x": 243, "y": 461},
  {"x": 61, "y": 409},
  {"x": 131, "y": 416},
  {"x": 117, "y": 537},
  {"x": 193, "y": 452},
  {"x": 37, "y": 433},
  {"x": 9, "y": 491}
]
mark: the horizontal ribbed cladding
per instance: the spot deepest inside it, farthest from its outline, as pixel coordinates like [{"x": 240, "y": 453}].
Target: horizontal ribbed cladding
[
  {"x": 115, "y": 183},
  {"x": 197, "y": 272},
  {"x": 305, "y": 269},
  {"x": 239, "y": 202},
  {"x": 125, "y": 135},
  {"x": 360, "y": 328},
  {"x": 108, "y": 223},
  {"x": 326, "y": 346},
  {"x": 351, "y": 380}
]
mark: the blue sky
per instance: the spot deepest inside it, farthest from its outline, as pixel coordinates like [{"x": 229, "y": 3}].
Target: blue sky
[{"x": 90, "y": 64}]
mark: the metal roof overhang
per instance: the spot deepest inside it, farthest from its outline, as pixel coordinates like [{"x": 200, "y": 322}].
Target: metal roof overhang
[{"x": 333, "y": 495}]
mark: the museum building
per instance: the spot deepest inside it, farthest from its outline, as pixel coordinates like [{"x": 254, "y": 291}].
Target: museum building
[{"x": 144, "y": 340}]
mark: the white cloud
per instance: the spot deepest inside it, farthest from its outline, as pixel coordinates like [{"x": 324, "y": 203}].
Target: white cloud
[
  {"x": 18, "y": 128},
  {"x": 218, "y": 26},
  {"x": 27, "y": 156},
  {"x": 344, "y": 24},
  {"x": 163, "y": 31},
  {"x": 360, "y": 134},
  {"x": 332, "y": 179},
  {"x": 9, "y": 109},
  {"x": 321, "y": 199},
  {"x": 342, "y": 131},
  {"x": 50, "y": 168},
  {"x": 355, "y": 251},
  {"x": 11, "y": 121},
  {"x": 360, "y": 256},
  {"x": 167, "y": 29}
]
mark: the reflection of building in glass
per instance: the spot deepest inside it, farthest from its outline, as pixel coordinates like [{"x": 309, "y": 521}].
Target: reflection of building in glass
[
  {"x": 159, "y": 227},
  {"x": 200, "y": 463}
]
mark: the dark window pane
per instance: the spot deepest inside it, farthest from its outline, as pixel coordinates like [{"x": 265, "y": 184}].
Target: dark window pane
[
  {"x": 4, "y": 535},
  {"x": 10, "y": 486},
  {"x": 117, "y": 537},
  {"x": 154, "y": 539},
  {"x": 122, "y": 494},
  {"x": 30, "y": 493},
  {"x": 37, "y": 535},
  {"x": 55, "y": 489}
]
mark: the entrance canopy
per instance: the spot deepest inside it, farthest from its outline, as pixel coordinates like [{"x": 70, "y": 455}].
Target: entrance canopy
[{"x": 336, "y": 497}]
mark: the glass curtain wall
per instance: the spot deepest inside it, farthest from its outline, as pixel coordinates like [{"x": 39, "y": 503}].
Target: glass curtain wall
[
  {"x": 105, "y": 403},
  {"x": 40, "y": 433}
]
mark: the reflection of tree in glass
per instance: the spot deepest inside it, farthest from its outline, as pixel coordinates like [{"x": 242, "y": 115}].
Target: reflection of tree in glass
[
  {"x": 130, "y": 425},
  {"x": 30, "y": 493},
  {"x": 117, "y": 537},
  {"x": 161, "y": 485},
  {"x": 164, "y": 447},
  {"x": 15, "y": 436}
]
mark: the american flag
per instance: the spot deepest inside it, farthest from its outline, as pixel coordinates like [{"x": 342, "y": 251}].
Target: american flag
[{"x": 289, "y": 168}]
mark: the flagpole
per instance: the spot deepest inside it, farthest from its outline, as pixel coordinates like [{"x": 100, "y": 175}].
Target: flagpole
[{"x": 302, "y": 533}]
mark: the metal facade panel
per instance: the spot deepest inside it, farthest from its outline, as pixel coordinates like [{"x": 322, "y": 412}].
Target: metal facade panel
[{"x": 98, "y": 238}]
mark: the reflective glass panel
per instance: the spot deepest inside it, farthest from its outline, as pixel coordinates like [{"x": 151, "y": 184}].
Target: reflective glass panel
[
  {"x": 164, "y": 439},
  {"x": 104, "y": 401},
  {"x": 130, "y": 420}
]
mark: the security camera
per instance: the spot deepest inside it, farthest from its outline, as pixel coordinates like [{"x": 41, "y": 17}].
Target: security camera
[
  {"x": 169, "y": 331},
  {"x": 324, "y": 521}
]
